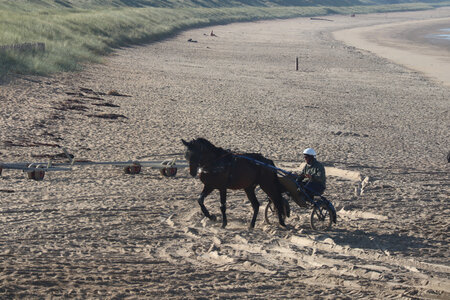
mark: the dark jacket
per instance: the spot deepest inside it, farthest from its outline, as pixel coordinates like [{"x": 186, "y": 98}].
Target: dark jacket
[{"x": 317, "y": 171}]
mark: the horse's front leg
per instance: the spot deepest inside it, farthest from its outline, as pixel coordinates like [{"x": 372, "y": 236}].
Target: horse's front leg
[
  {"x": 206, "y": 191},
  {"x": 223, "y": 206}
]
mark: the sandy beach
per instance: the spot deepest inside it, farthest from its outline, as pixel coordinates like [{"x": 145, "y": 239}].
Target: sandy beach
[{"x": 98, "y": 233}]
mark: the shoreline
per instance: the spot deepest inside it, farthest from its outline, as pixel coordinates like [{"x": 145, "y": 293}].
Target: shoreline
[{"x": 405, "y": 43}]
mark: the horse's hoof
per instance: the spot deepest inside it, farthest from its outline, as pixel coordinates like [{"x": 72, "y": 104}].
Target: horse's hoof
[
  {"x": 213, "y": 218},
  {"x": 224, "y": 225}
]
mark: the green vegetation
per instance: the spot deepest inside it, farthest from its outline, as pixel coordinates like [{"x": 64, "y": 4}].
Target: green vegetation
[{"x": 81, "y": 31}]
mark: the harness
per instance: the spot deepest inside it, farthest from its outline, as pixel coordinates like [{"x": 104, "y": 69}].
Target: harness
[
  {"x": 220, "y": 165},
  {"x": 217, "y": 165}
]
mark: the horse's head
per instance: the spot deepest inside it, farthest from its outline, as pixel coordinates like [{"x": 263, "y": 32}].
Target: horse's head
[
  {"x": 193, "y": 155},
  {"x": 198, "y": 152}
]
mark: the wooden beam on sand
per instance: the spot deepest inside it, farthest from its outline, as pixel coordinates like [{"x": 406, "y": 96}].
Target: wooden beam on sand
[{"x": 321, "y": 19}]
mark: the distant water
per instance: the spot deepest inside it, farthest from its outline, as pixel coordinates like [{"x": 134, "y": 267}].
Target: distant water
[{"x": 443, "y": 35}]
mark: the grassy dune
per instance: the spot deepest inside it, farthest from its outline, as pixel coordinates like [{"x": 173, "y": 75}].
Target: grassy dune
[{"x": 83, "y": 31}]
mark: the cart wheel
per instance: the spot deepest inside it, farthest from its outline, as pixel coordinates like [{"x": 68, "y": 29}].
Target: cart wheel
[
  {"x": 133, "y": 169},
  {"x": 169, "y": 172},
  {"x": 36, "y": 175},
  {"x": 271, "y": 214},
  {"x": 321, "y": 217}
]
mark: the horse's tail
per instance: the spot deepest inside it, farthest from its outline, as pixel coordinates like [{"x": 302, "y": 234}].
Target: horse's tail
[
  {"x": 286, "y": 209},
  {"x": 281, "y": 189}
]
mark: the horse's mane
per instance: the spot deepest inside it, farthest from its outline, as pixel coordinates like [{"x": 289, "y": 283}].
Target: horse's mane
[
  {"x": 209, "y": 145},
  {"x": 220, "y": 151}
]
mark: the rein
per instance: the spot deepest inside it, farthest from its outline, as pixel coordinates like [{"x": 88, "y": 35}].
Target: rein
[{"x": 258, "y": 162}]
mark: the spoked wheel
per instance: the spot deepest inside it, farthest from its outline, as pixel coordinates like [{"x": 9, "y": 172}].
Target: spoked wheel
[
  {"x": 168, "y": 172},
  {"x": 270, "y": 213},
  {"x": 321, "y": 217}
]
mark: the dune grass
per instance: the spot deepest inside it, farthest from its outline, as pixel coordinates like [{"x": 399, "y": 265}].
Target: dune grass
[{"x": 88, "y": 32}]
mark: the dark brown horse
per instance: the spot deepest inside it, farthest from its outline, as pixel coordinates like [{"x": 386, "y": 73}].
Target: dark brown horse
[{"x": 221, "y": 169}]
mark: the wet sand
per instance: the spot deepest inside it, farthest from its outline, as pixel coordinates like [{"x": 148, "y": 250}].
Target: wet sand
[
  {"x": 406, "y": 43},
  {"x": 98, "y": 233}
]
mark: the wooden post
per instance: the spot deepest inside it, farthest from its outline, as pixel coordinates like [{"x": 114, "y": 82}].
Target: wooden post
[{"x": 296, "y": 64}]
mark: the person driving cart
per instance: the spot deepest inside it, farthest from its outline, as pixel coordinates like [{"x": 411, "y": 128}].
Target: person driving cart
[{"x": 312, "y": 178}]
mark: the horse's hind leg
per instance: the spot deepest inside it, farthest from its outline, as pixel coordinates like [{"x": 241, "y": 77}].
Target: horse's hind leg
[
  {"x": 250, "y": 191},
  {"x": 223, "y": 206},
  {"x": 206, "y": 191},
  {"x": 274, "y": 194}
]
